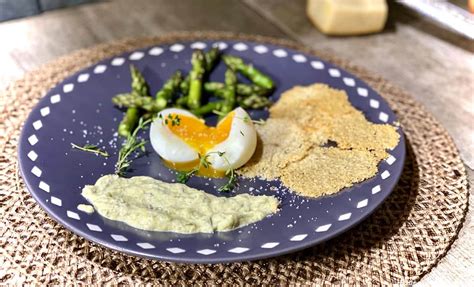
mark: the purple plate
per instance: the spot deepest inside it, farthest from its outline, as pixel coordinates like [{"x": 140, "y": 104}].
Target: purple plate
[{"x": 79, "y": 110}]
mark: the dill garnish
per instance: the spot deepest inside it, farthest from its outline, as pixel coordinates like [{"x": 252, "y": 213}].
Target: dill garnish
[
  {"x": 175, "y": 120},
  {"x": 90, "y": 148},
  {"x": 131, "y": 145}
]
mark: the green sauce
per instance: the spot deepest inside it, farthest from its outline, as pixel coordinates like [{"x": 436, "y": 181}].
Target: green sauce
[{"x": 150, "y": 204}]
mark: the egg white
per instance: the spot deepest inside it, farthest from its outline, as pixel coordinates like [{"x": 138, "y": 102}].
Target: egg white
[
  {"x": 168, "y": 145},
  {"x": 238, "y": 147},
  {"x": 233, "y": 152}
]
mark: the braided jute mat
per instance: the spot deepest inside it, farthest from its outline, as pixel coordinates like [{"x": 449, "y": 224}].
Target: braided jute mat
[{"x": 397, "y": 244}]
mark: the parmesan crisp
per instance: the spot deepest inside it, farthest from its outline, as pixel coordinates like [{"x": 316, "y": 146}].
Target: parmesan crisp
[{"x": 317, "y": 143}]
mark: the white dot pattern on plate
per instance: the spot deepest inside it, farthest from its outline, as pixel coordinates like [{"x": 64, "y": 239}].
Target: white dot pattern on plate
[
  {"x": 176, "y": 48},
  {"x": 344, "y": 216},
  {"x": 67, "y": 88},
  {"x": 146, "y": 245},
  {"x": 374, "y": 104},
  {"x": 385, "y": 174},
  {"x": 376, "y": 189},
  {"x": 298, "y": 58},
  {"x": 390, "y": 160},
  {"x": 280, "y": 53},
  {"x": 349, "y": 82},
  {"x": 94, "y": 227},
  {"x": 44, "y": 186},
  {"x": 362, "y": 203},
  {"x": 206, "y": 251},
  {"x": 56, "y": 201},
  {"x": 334, "y": 73},
  {"x": 37, "y": 124},
  {"x": 118, "y": 61},
  {"x": 100, "y": 69},
  {"x": 240, "y": 47},
  {"x": 298, "y": 237},
  {"x": 135, "y": 56},
  {"x": 323, "y": 228},
  {"x": 33, "y": 140},
  {"x": 238, "y": 250},
  {"x": 32, "y": 155},
  {"x": 363, "y": 92},
  {"x": 198, "y": 45},
  {"x": 73, "y": 215},
  {"x": 55, "y": 99},
  {"x": 36, "y": 171},
  {"x": 82, "y": 78},
  {"x": 45, "y": 111},
  {"x": 260, "y": 49},
  {"x": 175, "y": 250},
  {"x": 317, "y": 65},
  {"x": 220, "y": 45},
  {"x": 270, "y": 245},
  {"x": 118, "y": 237},
  {"x": 383, "y": 117},
  {"x": 156, "y": 51}
]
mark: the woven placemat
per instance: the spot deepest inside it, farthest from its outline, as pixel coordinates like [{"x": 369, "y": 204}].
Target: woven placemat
[{"x": 397, "y": 244}]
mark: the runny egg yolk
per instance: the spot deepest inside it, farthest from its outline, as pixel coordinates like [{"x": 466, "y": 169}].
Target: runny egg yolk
[{"x": 200, "y": 137}]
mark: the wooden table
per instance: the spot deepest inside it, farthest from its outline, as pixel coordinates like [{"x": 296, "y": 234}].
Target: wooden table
[{"x": 434, "y": 65}]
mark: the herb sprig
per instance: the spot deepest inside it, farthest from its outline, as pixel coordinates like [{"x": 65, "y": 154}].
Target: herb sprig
[
  {"x": 90, "y": 148},
  {"x": 183, "y": 176},
  {"x": 175, "y": 120},
  {"x": 131, "y": 145},
  {"x": 229, "y": 173},
  {"x": 245, "y": 119}
]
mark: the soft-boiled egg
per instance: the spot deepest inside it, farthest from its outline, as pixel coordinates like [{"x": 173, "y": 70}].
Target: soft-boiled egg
[{"x": 181, "y": 139}]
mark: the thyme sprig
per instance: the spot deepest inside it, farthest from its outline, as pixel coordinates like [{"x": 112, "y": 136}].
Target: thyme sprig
[
  {"x": 183, "y": 176},
  {"x": 230, "y": 173},
  {"x": 90, "y": 148},
  {"x": 131, "y": 145},
  {"x": 245, "y": 119}
]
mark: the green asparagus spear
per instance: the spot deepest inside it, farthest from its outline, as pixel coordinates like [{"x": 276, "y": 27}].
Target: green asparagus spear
[
  {"x": 195, "y": 80},
  {"x": 242, "y": 89},
  {"x": 212, "y": 87},
  {"x": 221, "y": 93},
  {"x": 249, "y": 71},
  {"x": 181, "y": 102},
  {"x": 253, "y": 102},
  {"x": 229, "y": 91},
  {"x": 132, "y": 115},
  {"x": 128, "y": 122},
  {"x": 151, "y": 107},
  {"x": 184, "y": 86},
  {"x": 210, "y": 58},
  {"x": 208, "y": 108},
  {"x": 168, "y": 89},
  {"x": 132, "y": 100},
  {"x": 250, "y": 90},
  {"x": 139, "y": 85},
  {"x": 145, "y": 103}
]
